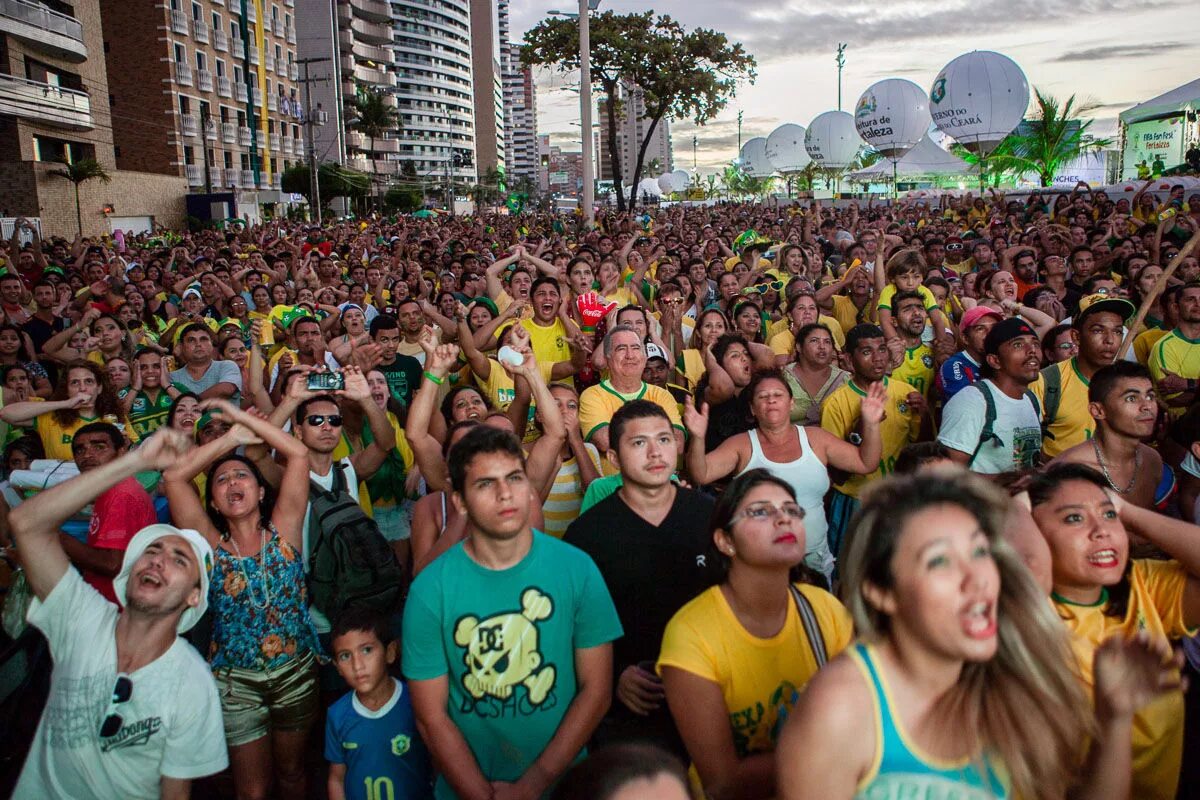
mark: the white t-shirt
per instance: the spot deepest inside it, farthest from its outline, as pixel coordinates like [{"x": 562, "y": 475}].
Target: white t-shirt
[
  {"x": 320, "y": 621},
  {"x": 1017, "y": 429},
  {"x": 171, "y": 724}
]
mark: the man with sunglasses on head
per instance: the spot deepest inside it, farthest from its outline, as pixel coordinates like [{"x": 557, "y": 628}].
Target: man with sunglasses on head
[{"x": 133, "y": 710}]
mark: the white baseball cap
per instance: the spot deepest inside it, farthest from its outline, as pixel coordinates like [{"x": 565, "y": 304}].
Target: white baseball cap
[
  {"x": 148, "y": 536},
  {"x": 654, "y": 351}
]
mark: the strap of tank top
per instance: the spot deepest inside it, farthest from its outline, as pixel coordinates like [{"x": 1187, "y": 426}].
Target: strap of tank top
[
  {"x": 444, "y": 521},
  {"x": 756, "y": 451},
  {"x": 864, "y": 653},
  {"x": 802, "y": 434}
]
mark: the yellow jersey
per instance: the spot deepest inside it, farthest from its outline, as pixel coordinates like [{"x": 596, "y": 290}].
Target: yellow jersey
[
  {"x": 889, "y": 291},
  {"x": 900, "y": 426},
  {"x": 781, "y": 340},
  {"x": 1178, "y": 355},
  {"x": 1144, "y": 343},
  {"x": 566, "y": 494},
  {"x": 848, "y": 315},
  {"x": 56, "y": 437},
  {"x": 1072, "y": 423},
  {"x": 1155, "y": 606},
  {"x": 598, "y": 403},
  {"x": 917, "y": 368},
  {"x": 549, "y": 342}
]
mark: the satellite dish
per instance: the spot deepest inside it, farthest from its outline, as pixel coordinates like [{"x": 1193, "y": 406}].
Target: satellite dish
[
  {"x": 754, "y": 158},
  {"x": 680, "y": 180},
  {"x": 892, "y": 116},
  {"x": 832, "y": 140},
  {"x": 979, "y": 98},
  {"x": 785, "y": 148}
]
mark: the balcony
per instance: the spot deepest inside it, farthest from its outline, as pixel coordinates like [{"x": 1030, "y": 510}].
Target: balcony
[
  {"x": 281, "y": 67},
  {"x": 285, "y": 145},
  {"x": 256, "y": 96},
  {"x": 290, "y": 3},
  {"x": 371, "y": 32},
  {"x": 269, "y": 62},
  {"x": 204, "y": 80},
  {"x": 189, "y": 125},
  {"x": 272, "y": 103},
  {"x": 216, "y": 176},
  {"x": 200, "y": 31},
  {"x": 371, "y": 10},
  {"x": 294, "y": 71},
  {"x": 366, "y": 52},
  {"x": 179, "y": 22},
  {"x": 195, "y": 175},
  {"x": 239, "y": 92},
  {"x": 276, "y": 181},
  {"x": 183, "y": 74},
  {"x": 57, "y": 34},
  {"x": 236, "y": 46},
  {"x": 252, "y": 15},
  {"x": 248, "y": 179},
  {"x": 210, "y": 130},
  {"x": 46, "y": 103},
  {"x": 266, "y": 24},
  {"x": 220, "y": 40},
  {"x": 254, "y": 54},
  {"x": 229, "y": 132},
  {"x": 224, "y": 87},
  {"x": 275, "y": 141},
  {"x": 232, "y": 178},
  {"x": 373, "y": 77},
  {"x": 244, "y": 136},
  {"x": 290, "y": 32}
]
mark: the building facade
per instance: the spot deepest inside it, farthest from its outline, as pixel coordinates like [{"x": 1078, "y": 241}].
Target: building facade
[
  {"x": 206, "y": 90},
  {"x": 488, "y": 19},
  {"x": 54, "y": 107},
  {"x": 520, "y": 109},
  {"x": 631, "y": 128}
]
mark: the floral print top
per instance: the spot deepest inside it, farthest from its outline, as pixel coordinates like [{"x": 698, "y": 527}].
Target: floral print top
[{"x": 249, "y": 632}]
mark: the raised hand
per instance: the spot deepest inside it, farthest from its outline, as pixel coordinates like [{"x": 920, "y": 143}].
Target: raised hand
[
  {"x": 592, "y": 309},
  {"x": 441, "y": 360},
  {"x": 696, "y": 421},
  {"x": 241, "y": 436},
  {"x": 873, "y": 408},
  {"x": 427, "y": 339},
  {"x": 164, "y": 448},
  {"x": 1130, "y": 673},
  {"x": 356, "y": 388}
]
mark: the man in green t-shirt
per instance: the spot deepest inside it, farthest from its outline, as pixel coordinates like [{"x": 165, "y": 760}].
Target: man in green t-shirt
[{"x": 507, "y": 637}]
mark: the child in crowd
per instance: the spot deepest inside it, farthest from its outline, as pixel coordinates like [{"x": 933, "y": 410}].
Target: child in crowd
[
  {"x": 371, "y": 739},
  {"x": 905, "y": 273}
]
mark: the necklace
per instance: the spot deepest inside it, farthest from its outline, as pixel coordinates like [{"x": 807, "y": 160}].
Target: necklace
[
  {"x": 1137, "y": 466},
  {"x": 262, "y": 568}
]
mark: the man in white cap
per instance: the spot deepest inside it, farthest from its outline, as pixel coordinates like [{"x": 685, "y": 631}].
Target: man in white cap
[{"x": 133, "y": 710}]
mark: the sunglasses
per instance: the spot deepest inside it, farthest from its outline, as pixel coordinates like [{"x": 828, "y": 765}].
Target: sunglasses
[
  {"x": 317, "y": 420},
  {"x": 954, "y": 247},
  {"x": 122, "y": 691}
]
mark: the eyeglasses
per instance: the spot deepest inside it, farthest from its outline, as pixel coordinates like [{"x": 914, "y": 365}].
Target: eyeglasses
[
  {"x": 317, "y": 420},
  {"x": 764, "y": 510},
  {"x": 122, "y": 691},
  {"x": 1067, "y": 346}
]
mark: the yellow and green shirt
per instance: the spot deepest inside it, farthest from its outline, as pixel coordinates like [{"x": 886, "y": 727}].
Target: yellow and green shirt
[
  {"x": 1178, "y": 355},
  {"x": 917, "y": 368},
  {"x": 1072, "y": 423},
  {"x": 901, "y": 426}
]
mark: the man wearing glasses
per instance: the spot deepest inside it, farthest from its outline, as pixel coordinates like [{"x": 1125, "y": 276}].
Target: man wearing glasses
[{"x": 133, "y": 711}]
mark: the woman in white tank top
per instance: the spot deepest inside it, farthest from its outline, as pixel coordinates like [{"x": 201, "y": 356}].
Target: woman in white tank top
[{"x": 799, "y": 455}]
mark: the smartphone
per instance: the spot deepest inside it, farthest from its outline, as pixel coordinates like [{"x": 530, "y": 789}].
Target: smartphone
[{"x": 326, "y": 381}]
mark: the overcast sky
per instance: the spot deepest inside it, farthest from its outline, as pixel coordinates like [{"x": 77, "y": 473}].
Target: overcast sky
[{"x": 1115, "y": 52}]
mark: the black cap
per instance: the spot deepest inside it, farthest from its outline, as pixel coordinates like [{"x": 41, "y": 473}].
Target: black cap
[{"x": 1001, "y": 332}]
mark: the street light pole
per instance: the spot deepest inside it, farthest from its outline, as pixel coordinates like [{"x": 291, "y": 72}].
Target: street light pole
[
  {"x": 841, "y": 62},
  {"x": 695, "y": 141},
  {"x": 585, "y": 113}
]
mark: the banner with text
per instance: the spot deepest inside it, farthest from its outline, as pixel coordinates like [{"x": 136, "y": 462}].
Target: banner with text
[{"x": 1158, "y": 140}]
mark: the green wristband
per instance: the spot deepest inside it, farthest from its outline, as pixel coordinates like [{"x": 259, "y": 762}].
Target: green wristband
[{"x": 433, "y": 377}]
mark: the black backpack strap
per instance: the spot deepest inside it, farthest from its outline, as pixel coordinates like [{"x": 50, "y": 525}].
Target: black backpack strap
[
  {"x": 812, "y": 629},
  {"x": 1051, "y": 397},
  {"x": 988, "y": 432}
]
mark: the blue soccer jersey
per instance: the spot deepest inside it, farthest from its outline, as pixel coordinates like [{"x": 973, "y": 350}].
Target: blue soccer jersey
[{"x": 384, "y": 756}]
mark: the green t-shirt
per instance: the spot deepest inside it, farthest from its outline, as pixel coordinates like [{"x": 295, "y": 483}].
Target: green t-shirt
[
  {"x": 146, "y": 415},
  {"x": 507, "y": 640}
]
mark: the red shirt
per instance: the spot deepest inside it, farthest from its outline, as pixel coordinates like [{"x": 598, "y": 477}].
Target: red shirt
[{"x": 117, "y": 516}]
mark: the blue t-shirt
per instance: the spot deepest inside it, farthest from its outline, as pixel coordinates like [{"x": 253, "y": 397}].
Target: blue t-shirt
[
  {"x": 507, "y": 640},
  {"x": 957, "y": 373},
  {"x": 384, "y": 756}
]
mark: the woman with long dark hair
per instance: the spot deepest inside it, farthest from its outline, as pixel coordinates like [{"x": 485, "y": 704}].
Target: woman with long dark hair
[
  {"x": 264, "y": 647},
  {"x": 83, "y": 395}
]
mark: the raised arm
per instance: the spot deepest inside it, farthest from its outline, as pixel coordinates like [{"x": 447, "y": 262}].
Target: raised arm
[
  {"x": 18, "y": 414},
  {"x": 705, "y": 468},
  {"x": 426, "y": 450},
  {"x": 1178, "y": 539},
  {"x": 368, "y": 460}
]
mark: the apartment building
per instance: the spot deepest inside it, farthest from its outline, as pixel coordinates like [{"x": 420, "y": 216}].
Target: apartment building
[
  {"x": 489, "y": 30},
  {"x": 520, "y": 109},
  {"x": 54, "y": 107},
  {"x": 206, "y": 90},
  {"x": 631, "y": 126}
]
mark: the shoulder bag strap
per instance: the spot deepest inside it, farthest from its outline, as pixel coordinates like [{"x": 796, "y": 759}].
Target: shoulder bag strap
[{"x": 812, "y": 628}]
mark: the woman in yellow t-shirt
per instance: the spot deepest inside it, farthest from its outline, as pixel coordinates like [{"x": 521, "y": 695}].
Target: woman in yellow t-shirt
[
  {"x": 734, "y": 659},
  {"x": 710, "y": 326}
]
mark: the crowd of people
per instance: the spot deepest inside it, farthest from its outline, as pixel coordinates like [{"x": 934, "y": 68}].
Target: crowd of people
[{"x": 808, "y": 500}]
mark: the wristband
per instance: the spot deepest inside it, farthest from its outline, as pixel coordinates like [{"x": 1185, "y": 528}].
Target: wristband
[{"x": 433, "y": 378}]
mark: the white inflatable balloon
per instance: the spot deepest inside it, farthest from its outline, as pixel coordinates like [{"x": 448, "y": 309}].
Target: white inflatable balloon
[
  {"x": 680, "y": 180},
  {"x": 892, "y": 116},
  {"x": 754, "y": 158},
  {"x": 785, "y": 148},
  {"x": 979, "y": 98},
  {"x": 649, "y": 186},
  {"x": 831, "y": 140},
  {"x": 664, "y": 183}
]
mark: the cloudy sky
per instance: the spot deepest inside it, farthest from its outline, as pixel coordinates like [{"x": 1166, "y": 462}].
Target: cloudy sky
[{"x": 1114, "y": 52}]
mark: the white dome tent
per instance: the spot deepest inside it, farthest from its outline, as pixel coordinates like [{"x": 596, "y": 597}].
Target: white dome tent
[{"x": 925, "y": 160}]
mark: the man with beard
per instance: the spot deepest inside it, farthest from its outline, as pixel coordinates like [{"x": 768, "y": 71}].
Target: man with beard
[
  {"x": 917, "y": 367},
  {"x": 133, "y": 711},
  {"x": 994, "y": 426},
  {"x": 1062, "y": 389},
  {"x": 1122, "y": 400}
]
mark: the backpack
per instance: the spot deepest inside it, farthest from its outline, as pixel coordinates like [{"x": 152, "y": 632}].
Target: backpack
[
  {"x": 350, "y": 563},
  {"x": 1051, "y": 396},
  {"x": 988, "y": 432}
]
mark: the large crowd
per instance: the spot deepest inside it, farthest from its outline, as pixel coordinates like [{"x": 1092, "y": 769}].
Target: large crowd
[{"x": 810, "y": 501}]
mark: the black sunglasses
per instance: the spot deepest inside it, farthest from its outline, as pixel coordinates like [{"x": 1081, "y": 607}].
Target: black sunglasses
[
  {"x": 317, "y": 420},
  {"x": 122, "y": 691}
]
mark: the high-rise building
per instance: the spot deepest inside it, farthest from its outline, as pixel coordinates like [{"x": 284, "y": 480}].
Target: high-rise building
[
  {"x": 631, "y": 126},
  {"x": 488, "y": 19},
  {"x": 54, "y": 107},
  {"x": 559, "y": 171},
  {"x": 520, "y": 108},
  {"x": 201, "y": 91},
  {"x": 432, "y": 43}
]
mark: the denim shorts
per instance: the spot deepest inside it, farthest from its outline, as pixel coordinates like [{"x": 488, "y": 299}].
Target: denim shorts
[{"x": 256, "y": 701}]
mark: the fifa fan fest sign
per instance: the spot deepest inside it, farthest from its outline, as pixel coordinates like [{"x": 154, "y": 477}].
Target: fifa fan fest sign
[{"x": 1151, "y": 140}]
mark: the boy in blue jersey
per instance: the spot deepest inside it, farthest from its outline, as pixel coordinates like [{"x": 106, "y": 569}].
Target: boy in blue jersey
[{"x": 371, "y": 739}]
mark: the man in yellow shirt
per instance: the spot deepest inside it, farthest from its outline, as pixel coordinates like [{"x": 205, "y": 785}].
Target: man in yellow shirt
[
  {"x": 841, "y": 414},
  {"x": 918, "y": 368},
  {"x": 1175, "y": 358},
  {"x": 548, "y": 334},
  {"x": 1062, "y": 388}
]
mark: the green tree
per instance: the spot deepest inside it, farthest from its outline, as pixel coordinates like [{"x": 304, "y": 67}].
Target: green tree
[
  {"x": 334, "y": 181},
  {"x": 373, "y": 117},
  {"x": 1054, "y": 136},
  {"x": 78, "y": 173},
  {"x": 403, "y": 200}
]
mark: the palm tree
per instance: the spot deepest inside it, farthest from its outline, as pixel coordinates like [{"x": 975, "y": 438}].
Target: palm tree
[
  {"x": 1055, "y": 136},
  {"x": 81, "y": 171},
  {"x": 373, "y": 118}
]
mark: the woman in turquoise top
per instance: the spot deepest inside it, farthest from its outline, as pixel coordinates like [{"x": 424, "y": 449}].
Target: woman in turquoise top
[
  {"x": 961, "y": 664},
  {"x": 263, "y": 650}
]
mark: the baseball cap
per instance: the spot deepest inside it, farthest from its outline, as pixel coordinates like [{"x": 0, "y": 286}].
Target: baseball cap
[
  {"x": 1095, "y": 303},
  {"x": 654, "y": 351},
  {"x": 192, "y": 291},
  {"x": 972, "y": 316},
  {"x": 148, "y": 536},
  {"x": 1005, "y": 331}
]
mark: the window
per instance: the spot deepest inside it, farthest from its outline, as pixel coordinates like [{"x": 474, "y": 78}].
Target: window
[
  {"x": 237, "y": 74},
  {"x": 180, "y": 54},
  {"x": 228, "y": 160},
  {"x": 241, "y": 119},
  {"x": 225, "y": 114},
  {"x": 188, "y": 157},
  {"x": 185, "y": 104},
  {"x": 201, "y": 61},
  {"x": 220, "y": 68},
  {"x": 216, "y": 21},
  {"x": 245, "y": 161},
  {"x": 278, "y": 53},
  {"x": 197, "y": 12}
]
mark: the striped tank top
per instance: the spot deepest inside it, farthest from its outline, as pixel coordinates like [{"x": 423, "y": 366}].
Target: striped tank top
[
  {"x": 900, "y": 770},
  {"x": 566, "y": 495}
]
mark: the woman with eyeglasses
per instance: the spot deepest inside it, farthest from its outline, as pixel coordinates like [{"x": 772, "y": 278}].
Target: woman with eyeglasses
[
  {"x": 264, "y": 647},
  {"x": 735, "y": 658}
]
